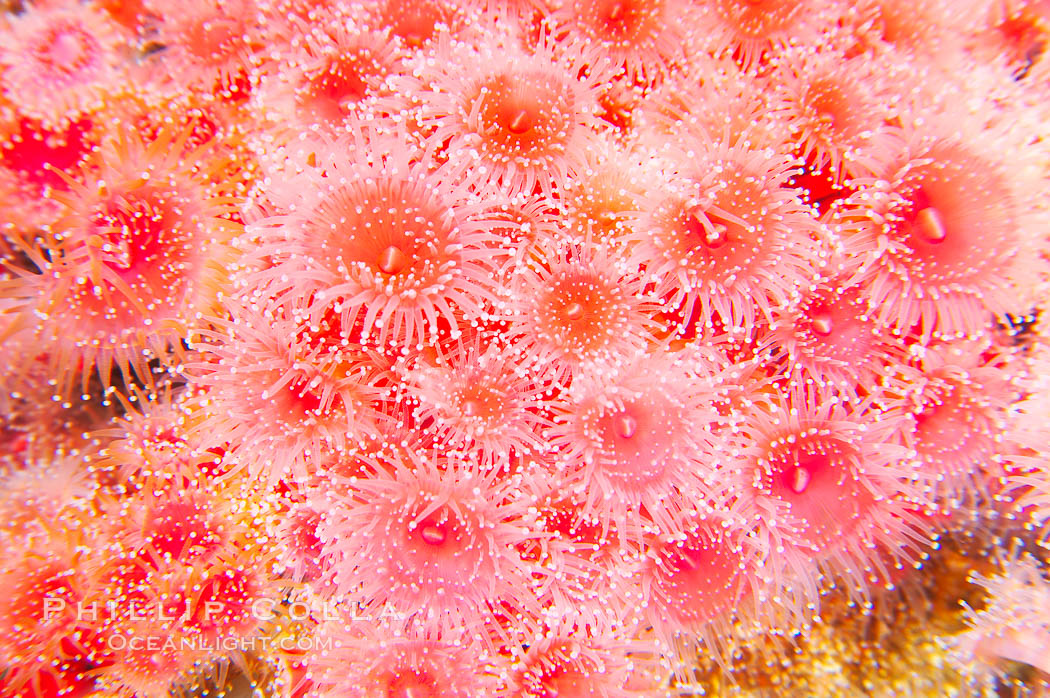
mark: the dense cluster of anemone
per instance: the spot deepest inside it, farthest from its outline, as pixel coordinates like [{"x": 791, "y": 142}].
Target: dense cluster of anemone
[{"x": 508, "y": 347}]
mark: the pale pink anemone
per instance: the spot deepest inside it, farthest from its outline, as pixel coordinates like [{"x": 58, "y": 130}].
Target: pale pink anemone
[
  {"x": 524, "y": 122},
  {"x": 523, "y": 224},
  {"x": 749, "y": 30},
  {"x": 933, "y": 31},
  {"x": 384, "y": 241},
  {"x": 35, "y": 568},
  {"x": 1013, "y": 36},
  {"x": 206, "y": 43},
  {"x": 62, "y": 61},
  {"x": 711, "y": 96},
  {"x": 640, "y": 450},
  {"x": 695, "y": 585},
  {"x": 960, "y": 415},
  {"x": 338, "y": 67},
  {"x": 579, "y": 310},
  {"x": 830, "y": 339},
  {"x": 280, "y": 392},
  {"x": 1013, "y": 626},
  {"x": 731, "y": 239},
  {"x": 830, "y": 491},
  {"x": 600, "y": 202},
  {"x": 941, "y": 231},
  {"x": 591, "y": 589},
  {"x": 434, "y": 545},
  {"x": 644, "y": 39},
  {"x": 575, "y": 666},
  {"x": 477, "y": 399},
  {"x": 837, "y": 110}
]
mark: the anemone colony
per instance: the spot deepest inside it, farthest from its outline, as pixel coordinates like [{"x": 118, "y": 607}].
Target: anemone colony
[{"x": 513, "y": 347}]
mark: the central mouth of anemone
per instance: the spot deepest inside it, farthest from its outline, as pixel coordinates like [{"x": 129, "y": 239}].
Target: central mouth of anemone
[
  {"x": 574, "y": 310},
  {"x": 412, "y": 684},
  {"x": 928, "y": 225},
  {"x": 820, "y": 320},
  {"x": 68, "y": 51},
  {"x": 924, "y": 221},
  {"x": 433, "y": 533},
  {"x": 714, "y": 228},
  {"x": 637, "y": 454},
  {"x": 517, "y": 120},
  {"x": 816, "y": 478},
  {"x": 392, "y": 260},
  {"x": 580, "y": 312},
  {"x": 793, "y": 472},
  {"x": 481, "y": 402},
  {"x": 623, "y": 19},
  {"x": 339, "y": 82},
  {"x": 512, "y": 108},
  {"x": 523, "y": 110},
  {"x": 625, "y": 425}
]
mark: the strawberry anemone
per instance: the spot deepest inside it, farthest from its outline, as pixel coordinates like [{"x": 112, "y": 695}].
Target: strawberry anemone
[
  {"x": 600, "y": 201},
  {"x": 831, "y": 340},
  {"x": 42, "y": 490},
  {"x": 523, "y": 123},
  {"x": 44, "y": 580},
  {"x": 837, "y": 109},
  {"x": 941, "y": 230},
  {"x": 148, "y": 441},
  {"x": 228, "y": 594},
  {"x": 31, "y": 156},
  {"x": 59, "y": 62},
  {"x": 732, "y": 240},
  {"x": 830, "y": 490},
  {"x": 1016, "y": 35},
  {"x": 932, "y": 31},
  {"x": 714, "y": 96},
  {"x": 693, "y": 584},
  {"x": 281, "y": 393},
  {"x": 749, "y": 29},
  {"x": 1012, "y": 627},
  {"x": 432, "y": 545},
  {"x": 418, "y": 22},
  {"x": 644, "y": 39},
  {"x": 959, "y": 427},
  {"x": 477, "y": 400},
  {"x": 138, "y": 252},
  {"x": 577, "y": 310},
  {"x": 640, "y": 450},
  {"x": 591, "y": 589},
  {"x": 571, "y": 667},
  {"x": 386, "y": 242},
  {"x": 957, "y": 437},
  {"x": 206, "y": 41},
  {"x": 521, "y": 223},
  {"x": 301, "y": 557},
  {"x": 339, "y": 67}
]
